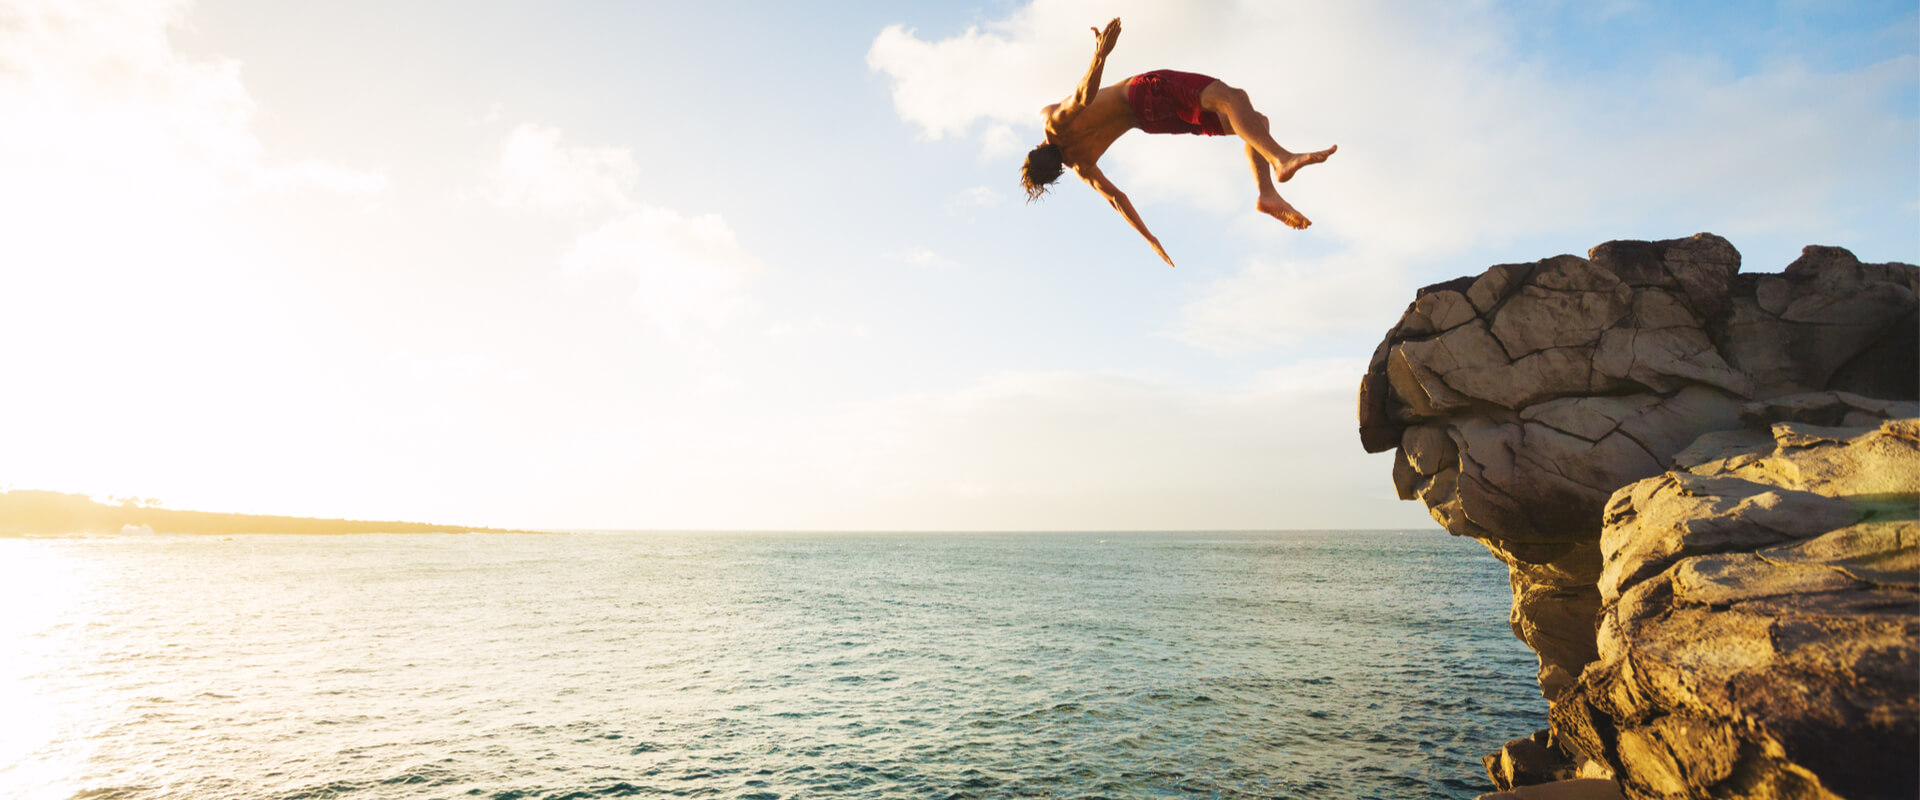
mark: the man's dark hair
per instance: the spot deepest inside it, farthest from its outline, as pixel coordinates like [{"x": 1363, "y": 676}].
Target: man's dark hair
[{"x": 1041, "y": 170}]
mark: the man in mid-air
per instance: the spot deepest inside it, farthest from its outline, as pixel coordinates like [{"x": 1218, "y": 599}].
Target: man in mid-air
[{"x": 1080, "y": 129}]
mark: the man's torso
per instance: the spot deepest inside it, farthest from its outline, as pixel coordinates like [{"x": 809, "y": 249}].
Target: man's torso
[{"x": 1085, "y": 137}]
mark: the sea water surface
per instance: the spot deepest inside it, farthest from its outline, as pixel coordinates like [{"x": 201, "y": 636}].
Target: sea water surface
[{"x": 756, "y": 666}]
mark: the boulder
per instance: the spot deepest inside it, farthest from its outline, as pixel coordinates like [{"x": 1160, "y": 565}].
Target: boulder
[
  {"x": 1758, "y": 639},
  {"x": 1572, "y": 789},
  {"x": 1525, "y": 762}
]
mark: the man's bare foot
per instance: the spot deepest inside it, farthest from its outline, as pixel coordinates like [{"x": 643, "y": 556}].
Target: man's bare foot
[
  {"x": 1278, "y": 208},
  {"x": 1283, "y": 170}
]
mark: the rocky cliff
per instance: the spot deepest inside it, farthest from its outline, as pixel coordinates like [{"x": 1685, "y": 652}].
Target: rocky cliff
[{"x": 1521, "y": 400}]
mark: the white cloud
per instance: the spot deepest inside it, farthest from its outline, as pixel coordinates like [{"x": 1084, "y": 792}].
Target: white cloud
[
  {"x": 1017, "y": 451},
  {"x": 688, "y": 270},
  {"x": 102, "y": 112},
  {"x": 326, "y": 177},
  {"x": 1002, "y": 80},
  {"x": 1281, "y": 302},
  {"x": 924, "y": 258},
  {"x": 977, "y": 197},
  {"x": 160, "y": 330},
  {"x": 537, "y": 170},
  {"x": 1099, "y": 451},
  {"x": 94, "y": 72},
  {"x": 1001, "y": 140},
  {"x": 1007, "y": 70},
  {"x": 130, "y": 173},
  {"x": 817, "y": 327}
]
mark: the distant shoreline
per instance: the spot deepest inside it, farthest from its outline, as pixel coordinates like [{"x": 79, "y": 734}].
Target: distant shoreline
[{"x": 26, "y": 513}]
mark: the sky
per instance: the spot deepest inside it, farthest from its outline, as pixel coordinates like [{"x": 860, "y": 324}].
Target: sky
[{"x": 731, "y": 265}]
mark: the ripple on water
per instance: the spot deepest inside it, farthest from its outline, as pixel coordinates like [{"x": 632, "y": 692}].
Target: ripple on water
[{"x": 762, "y": 666}]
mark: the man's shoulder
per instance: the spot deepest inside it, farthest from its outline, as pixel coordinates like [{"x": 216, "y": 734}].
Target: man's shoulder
[{"x": 1091, "y": 174}]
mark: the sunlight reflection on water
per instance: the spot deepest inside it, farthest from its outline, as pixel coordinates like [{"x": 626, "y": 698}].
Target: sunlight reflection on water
[
  {"x": 44, "y": 589},
  {"x": 763, "y": 666}
]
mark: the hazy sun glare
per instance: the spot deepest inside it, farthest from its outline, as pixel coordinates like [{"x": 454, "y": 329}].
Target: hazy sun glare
[
  {"x": 524, "y": 268},
  {"x": 45, "y": 738}
]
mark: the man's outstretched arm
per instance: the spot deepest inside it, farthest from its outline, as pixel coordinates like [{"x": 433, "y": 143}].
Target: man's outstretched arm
[
  {"x": 1089, "y": 85},
  {"x": 1098, "y": 179}
]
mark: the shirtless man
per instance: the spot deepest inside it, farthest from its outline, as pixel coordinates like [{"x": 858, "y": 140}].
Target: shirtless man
[{"x": 1080, "y": 129}]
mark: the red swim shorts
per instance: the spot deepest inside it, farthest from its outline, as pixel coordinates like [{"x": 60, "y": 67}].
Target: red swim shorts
[{"x": 1168, "y": 101}]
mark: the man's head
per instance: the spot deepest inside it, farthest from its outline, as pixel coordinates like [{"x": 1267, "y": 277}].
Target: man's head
[{"x": 1041, "y": 170}]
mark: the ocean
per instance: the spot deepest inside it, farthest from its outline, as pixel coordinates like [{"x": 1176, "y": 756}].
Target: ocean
[{"x": 757, "y": 666}]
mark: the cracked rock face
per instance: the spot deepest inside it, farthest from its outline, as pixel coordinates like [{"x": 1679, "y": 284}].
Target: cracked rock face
[
  {"x": 1760, "y": 627},
  {"x": 1756, "y": 567},
  {"x": 1518, "y": 400}
]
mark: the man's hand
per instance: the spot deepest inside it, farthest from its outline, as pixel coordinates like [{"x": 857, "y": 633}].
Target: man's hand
[
  {"x": 1098, "y": 180},
  {"x": 1155, "y": 241},
  {"x": 1105, "y": 40}
]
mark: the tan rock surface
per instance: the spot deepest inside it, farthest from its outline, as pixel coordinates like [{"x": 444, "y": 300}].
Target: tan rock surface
[
  {"x": 1756, "y": 640},
  {"x": 1521, "y": 399}
]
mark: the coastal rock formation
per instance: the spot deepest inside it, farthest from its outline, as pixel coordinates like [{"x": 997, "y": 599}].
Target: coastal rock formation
[
  {"x": 1518, "y": 401},
  {"x": 1760, "y": 629}
]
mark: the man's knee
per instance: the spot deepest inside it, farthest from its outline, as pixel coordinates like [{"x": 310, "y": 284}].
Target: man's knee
[
  {"x": 1242, "y": 109},
  {"x": 1221, "y": 97}
]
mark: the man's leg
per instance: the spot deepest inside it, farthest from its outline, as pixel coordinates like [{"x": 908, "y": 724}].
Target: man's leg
[
  {"x": 1271, "y": 203},
  {"x": 1232, "y": 105}
]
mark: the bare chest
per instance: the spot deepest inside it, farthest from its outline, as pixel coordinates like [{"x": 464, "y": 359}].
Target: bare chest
[{"x": 1087, "y": 135}]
